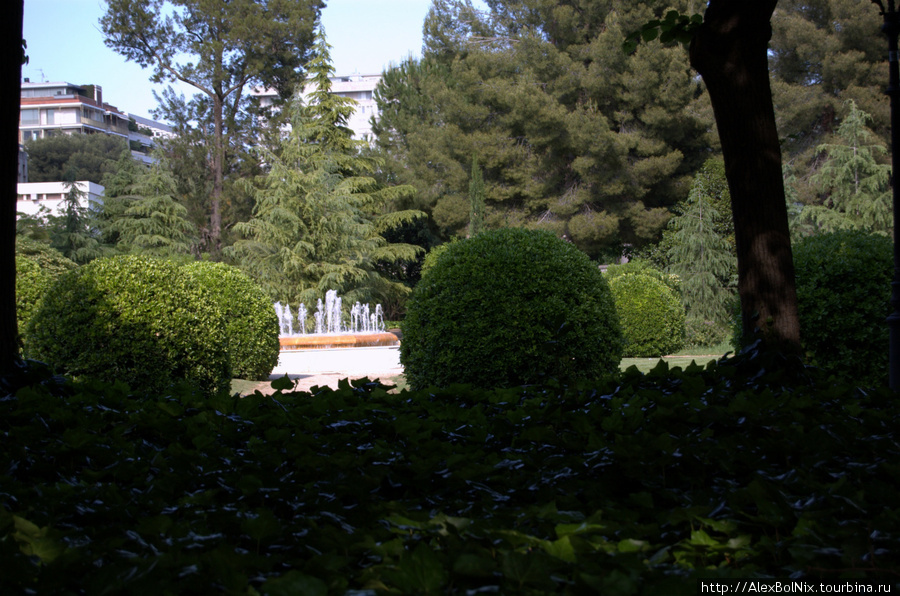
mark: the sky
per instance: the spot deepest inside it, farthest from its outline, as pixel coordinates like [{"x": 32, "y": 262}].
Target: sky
[{"x": 65, "y": 44}]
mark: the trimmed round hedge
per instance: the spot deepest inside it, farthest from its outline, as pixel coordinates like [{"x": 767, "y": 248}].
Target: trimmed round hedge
[
  {"x": 37, "y": 268},
  {"x": 31, "y": 285},
  {"x": 251, "y": 324},
  {"x": 651, "y": 315},
  {"x": 506, "y": 308},
  {"x": 843, "y": 294},
  {"x": 135, "y": 319}
]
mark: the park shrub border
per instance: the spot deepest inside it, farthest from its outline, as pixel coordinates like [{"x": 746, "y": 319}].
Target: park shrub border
[{"x": 843, "y": 296}]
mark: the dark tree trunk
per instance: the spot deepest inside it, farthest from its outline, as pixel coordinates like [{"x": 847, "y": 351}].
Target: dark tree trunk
[
  {"x": 218, "y": 166},
  {"x": 10, "y": 80},
  {"x": 729, "y": 52}
]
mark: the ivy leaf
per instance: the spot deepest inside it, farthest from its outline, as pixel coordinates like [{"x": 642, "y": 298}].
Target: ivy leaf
[
  {"x": 474, "y": 565},
  {"x": 262, "y": 525},
  {"x": 525, "y": 569},
  {"x": 674, "y": 27},
  {"x": 420, "y": 572},
  {"x": 282, "y": 383},
  {"x": 294, "y": 582},
  {"x": 36, "y": 542},
  {"x": 561, "y": 549}
]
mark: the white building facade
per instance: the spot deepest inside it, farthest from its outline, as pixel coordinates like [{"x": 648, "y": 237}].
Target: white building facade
[
  {"x": 34, "y": 197},
  {"x": 49, "y": 109},
  {"x": 360, "y": 88}
]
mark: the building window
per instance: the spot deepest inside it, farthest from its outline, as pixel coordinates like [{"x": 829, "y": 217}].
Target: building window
[
  {"x": 29, "y": 117},
  {"x": 68, "y": 116}
]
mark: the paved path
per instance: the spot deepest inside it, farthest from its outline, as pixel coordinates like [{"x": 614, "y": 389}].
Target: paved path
[{"x": 306, "y": 381}]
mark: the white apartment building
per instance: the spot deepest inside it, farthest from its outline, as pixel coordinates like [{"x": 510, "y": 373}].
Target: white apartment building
[
  {"x": 33, "y": 196},
  {"x": 63, "y": 108},
  {"x": 22, "y": 165},
  {"x": 356, "y": 86},
  {"x": 54, "y": 108}
]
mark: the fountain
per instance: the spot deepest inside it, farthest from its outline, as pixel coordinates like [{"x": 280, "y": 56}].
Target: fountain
[{"x": 365, "y": 327}]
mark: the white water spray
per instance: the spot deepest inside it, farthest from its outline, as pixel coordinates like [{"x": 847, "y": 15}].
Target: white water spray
[{"x": 329, "y": 319}]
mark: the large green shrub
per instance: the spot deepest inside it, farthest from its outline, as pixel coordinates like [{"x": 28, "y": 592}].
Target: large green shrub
[
  {"x": 49, "y": 259},
  {"x": 135, "y": 319},
  {"x": 651, "y": 315},
  {"x": 31, "y": 284},
  {"x": 843, "y": 292},
  {"x": 645, "y": 267},
  {"x": 37, "y": 268},
  {"x": 507, "y": 307},
  {"x": 701, "y": 333},
  {"x": 251, "y": 325}
]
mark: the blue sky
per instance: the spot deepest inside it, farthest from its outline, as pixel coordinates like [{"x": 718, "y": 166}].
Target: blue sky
[{"x": 65, "y": 44}]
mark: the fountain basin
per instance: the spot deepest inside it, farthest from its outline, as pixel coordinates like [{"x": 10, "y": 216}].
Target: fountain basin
[
  {"x": 325, "y": 341},
  {"x": 359, "y": 361}
]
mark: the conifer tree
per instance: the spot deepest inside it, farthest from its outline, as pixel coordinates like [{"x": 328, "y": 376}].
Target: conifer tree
[
  {"x": 701, "y": 249},
  {"x": 149, "y": 220},
  {"x": 319, "y": 211},
  {"x": 822, "y": 53},
  {"x": 573, "y": 135},
  {"x": 856, "y": 186},
  {"x": 120, "y": 181},
  {"x": 117, "y": 184},
  {"x": 476, "y": 200},
  {"x": 800, "y": 228},
  {"x": 72, "y": 232}
]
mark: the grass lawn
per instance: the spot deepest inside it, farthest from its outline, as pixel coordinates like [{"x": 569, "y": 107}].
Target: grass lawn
[{"x": 682, "y": 359}]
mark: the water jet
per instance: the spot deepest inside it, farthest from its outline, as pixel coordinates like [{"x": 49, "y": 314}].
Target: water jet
[{"x": 359, "y": 344}]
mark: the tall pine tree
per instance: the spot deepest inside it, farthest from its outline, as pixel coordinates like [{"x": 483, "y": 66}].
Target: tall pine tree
[
  {"x": 572, "y": 135},
  {"x": 319, "y": 211},
  {"x": 855, "y": 186},
  {"x": 476, "y": 200},
  {"x": 149, "y": 220},
  {"x": 823, "y": 53},
  {"x": 72, "y": 232},
  {"x": 701, "y": 247}
]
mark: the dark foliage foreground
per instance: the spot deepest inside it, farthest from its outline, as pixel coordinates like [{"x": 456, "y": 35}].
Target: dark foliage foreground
[{"x": 754, "y": 467}]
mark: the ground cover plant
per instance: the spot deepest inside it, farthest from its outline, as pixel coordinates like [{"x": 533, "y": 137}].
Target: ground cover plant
[
  {"x": 752, "y": 467},
  {"x": 509, "y": 307}
]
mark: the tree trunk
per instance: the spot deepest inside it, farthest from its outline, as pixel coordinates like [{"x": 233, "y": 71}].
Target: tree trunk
[
  {"x": 218, "y": 189},
  {"x": 10, "y": 77},
  {"x": 730, "y": 52}
]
